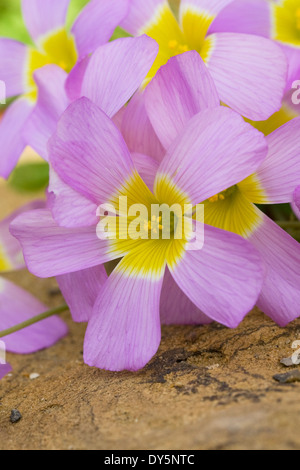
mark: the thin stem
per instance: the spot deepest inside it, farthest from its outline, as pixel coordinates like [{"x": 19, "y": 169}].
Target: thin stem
[
  {"x": 289, "y": 224},
  {"x": 33, "y": 320}
]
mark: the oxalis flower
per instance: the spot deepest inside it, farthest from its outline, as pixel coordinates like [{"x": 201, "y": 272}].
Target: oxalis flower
[
  {"x": 172, "y": 99},
  {"x": 222, "y": 280},
  {"x": 279, "y": 21},
  {"x": 249, "y": 71},
  {"x": 17, "y": 305},
  {"x": 53, "y": 44}
]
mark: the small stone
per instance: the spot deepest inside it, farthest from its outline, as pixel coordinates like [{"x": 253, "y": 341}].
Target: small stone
[
  {"x": 15, "y": 416},
  {"x": 287, "y": 362},
  {"x": 289, "y": 378},
  {"x": 34, "y": 376}
]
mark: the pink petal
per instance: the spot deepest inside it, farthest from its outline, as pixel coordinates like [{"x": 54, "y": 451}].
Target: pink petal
[
  {"x": 280, "y": 297},
  {"x": 223, "y": 279},
  {"x": 116, "y": 70},
  {"x": 50, "y": 250},
  {"x": 216, "y": 150},
  {"x": 11, "y": 138},
  {"x": 137, "y": 129},
  {"x": 13, "y": 57},
  {"x": 88, "y": 152},
  {"x": 140, "y": 13},
  {"x": 210, "y": 7},
  {"x": 75, "y": 78},
  {"x": 246, "y": 17},
  {"x": 180, "y": 89},
  {"x": 176, "y": 308},
  {"x": 124, "y": 332},
  {"x": 17, "y": 306},
  {"x": 249, "y": 73},
  {"x": 279, "y": 174},
  {"x": 8, "y": 244},
  {"x": 68, "y": 207},
  {"x": 146, "y": 167},
  {"x": 42, "y": 17},
  {"x": 81, "y": 290},
  {"x": 96, "y": 24},
  {"x": 52, "y": 102}
]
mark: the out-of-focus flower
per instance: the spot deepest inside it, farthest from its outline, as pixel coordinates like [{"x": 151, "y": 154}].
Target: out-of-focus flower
[
  {"x": 17, "y": 305},
  {"x": 53, "y": 44},
  {"x": 233, "y": 208},
  {"x": 249, "y": 71},
  {"x": 4, "y": 370},
  {"x": 221, "y": 281},
  {"x": 109, "y": 78},
  {"x": 277, "y": 20}
]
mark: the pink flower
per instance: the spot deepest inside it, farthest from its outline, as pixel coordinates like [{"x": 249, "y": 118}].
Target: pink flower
[
  {"x": 277, "y": 20},
  {"x": 93, "y": 166},
  {"x": 172, "y": 99},
  {"x": 53, "y": 44},
  {"x": 17, "y": 305},
  {"x": 249, "y": 71}
]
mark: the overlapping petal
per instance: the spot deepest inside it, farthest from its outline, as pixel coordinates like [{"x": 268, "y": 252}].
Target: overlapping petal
[
  {"x": 138, "y": 131},
  {"x": 13, "y": 57},
  {"x": 116, "y": 71},
  {"x": 81, "y": 290},
  {"x": 216, "y": 150},
  {"x": 249, "y": 73},
  {"x": 88, "y": 147},
  {"x": 223, "y": 279},
  {"x": 11, "y": 134},
  {"x": 176, "y": 308},
  {"x": 96, "y": 24},
  {"x": 279, "y": 174},
  {"x": 52, "y": 102},
  {"x": 43, "y": 17},
  {"x": 69, "y": 208},
  {"x": 50, "y": 250},
  {"x": 180, "y": 89},
  {"x": 280, "y": 296},
  {"x": 11, "y": 257}
]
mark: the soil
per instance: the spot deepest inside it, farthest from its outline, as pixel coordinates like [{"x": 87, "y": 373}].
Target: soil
[{"x": 207, "y": 388}]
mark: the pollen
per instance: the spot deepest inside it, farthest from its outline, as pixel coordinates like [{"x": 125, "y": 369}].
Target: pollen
[
  {"x": 173, "y": 44},
  {"x": 177, "y": 48},
  {"x": 223, "y": 195}
]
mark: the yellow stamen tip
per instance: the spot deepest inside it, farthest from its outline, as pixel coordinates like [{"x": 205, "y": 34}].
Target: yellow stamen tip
[
  {"x": 222, "y": 197},
  {"x": 183, "y": 48},
  {"x": 173, "y": 44}
]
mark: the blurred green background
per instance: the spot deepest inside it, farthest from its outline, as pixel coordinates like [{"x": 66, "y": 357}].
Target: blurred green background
[{"x": 11, "y": 22}]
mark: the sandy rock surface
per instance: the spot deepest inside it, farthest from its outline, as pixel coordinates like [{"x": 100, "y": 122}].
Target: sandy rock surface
[{"x": 207, "y": 388}]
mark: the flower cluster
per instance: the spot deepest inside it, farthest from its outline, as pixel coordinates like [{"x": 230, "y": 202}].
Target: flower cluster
[{"x": 189, "y": 114}]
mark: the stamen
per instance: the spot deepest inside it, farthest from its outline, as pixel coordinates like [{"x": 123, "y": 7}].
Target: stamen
[{"x": 173, "y": 44}]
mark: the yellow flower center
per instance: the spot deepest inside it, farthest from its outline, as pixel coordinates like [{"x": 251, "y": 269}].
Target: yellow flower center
[
  {"x": 174, "y": 38},
  {"x": 57, "y": 48},
  {"x": 286, "y": 22}
]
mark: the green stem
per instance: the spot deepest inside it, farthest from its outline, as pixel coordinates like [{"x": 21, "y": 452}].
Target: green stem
[
  {"x": 289, "y": 224},
  {"x": 34, "y": 320}
]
